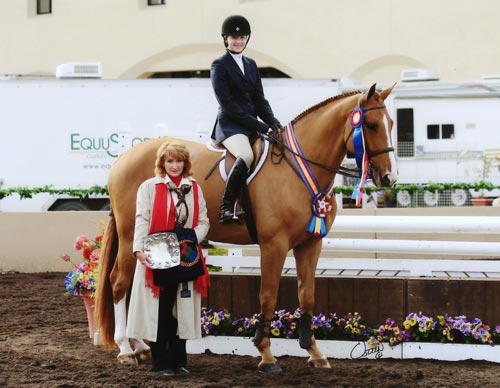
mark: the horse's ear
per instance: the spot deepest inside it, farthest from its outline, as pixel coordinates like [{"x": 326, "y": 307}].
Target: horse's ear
[
  {"x": 370, "y": 92},
  {"x": 386, "y": 92}
]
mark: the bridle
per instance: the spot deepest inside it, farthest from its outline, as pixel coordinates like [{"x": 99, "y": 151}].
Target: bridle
[
  {"x": 322, "y": 202},
  {"x": 376, "y": 152},
  {"x": 275, "y": 138}
]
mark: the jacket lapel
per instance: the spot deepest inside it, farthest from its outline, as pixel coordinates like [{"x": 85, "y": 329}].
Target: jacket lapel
[
  {"x": 232, "y": 63},
  {"x": 248, "y": 69}
]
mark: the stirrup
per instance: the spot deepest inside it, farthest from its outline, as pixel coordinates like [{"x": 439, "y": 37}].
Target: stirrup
[
  {"x": 238, "y": 215},
  {"x": 227, "y": 216}
]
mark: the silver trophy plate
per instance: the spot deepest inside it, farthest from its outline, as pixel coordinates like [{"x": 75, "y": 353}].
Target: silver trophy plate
[{"x": 163, "y": 250}]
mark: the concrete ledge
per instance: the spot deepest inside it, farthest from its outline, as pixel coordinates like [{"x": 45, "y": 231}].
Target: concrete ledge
[
  {"x": 242, "y": 346},
  {"x": 34, "y": 242}
]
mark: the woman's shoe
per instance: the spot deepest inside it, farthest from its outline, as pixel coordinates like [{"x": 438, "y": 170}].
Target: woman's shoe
[
  {"x": 168, "y": 372},
  {"x": 181, "y": 371}
]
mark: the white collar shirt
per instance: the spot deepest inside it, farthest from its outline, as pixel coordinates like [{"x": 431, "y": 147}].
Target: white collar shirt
[{"x": 239, "y": 61}]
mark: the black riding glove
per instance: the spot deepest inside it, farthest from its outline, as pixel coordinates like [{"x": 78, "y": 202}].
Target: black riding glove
[
  {"x": 276, "y": 126},
  {"x": 262, "y": 127}
]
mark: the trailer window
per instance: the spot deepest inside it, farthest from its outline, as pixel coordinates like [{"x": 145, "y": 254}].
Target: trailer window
[
  {"x": 406, "y": 141},
  {"x": 448, "y": 131},
  {"x": 440, "y": 131},
  {"x": 433, "y": 131}
]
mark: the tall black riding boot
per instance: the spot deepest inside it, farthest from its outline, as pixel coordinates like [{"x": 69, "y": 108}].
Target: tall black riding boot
[{"x": 234, "y": 185}]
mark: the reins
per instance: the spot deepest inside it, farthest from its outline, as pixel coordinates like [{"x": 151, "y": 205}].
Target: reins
[
  {"x": 322, "y": 199},
  {"x": 276, "y": 140}
]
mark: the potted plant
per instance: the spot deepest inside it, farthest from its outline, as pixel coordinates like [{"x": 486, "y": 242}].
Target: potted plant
[
  {"x": 81, "y": 281},
  {"x": 479, "y": 198},
  {"x": 389, "y": 198}
]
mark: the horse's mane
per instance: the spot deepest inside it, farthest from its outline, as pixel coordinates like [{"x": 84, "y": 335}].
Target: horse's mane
[{"x": 323, "y": 103}]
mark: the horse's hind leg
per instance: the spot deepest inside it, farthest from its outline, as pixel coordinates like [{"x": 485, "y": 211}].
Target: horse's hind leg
[
  {"x": 141, "y": 350},
  {"x": 126, "y": 355},
  {"x": 306, "y": 257}
]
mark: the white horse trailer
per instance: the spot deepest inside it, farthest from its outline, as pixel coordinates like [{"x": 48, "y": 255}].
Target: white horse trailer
[{"x": 67, "y": 133}]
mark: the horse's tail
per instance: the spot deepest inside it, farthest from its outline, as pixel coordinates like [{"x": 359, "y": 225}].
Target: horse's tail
[{"x": 104, "y": 310}]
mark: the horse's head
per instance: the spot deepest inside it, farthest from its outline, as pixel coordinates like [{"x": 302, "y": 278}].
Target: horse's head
[{"x": 375, "y": 123}]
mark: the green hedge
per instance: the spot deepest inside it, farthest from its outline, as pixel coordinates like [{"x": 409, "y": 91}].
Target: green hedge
[{"x": 29, "y": 192}]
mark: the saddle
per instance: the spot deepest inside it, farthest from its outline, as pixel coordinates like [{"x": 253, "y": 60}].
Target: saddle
[{"x": 225, "y": 163}]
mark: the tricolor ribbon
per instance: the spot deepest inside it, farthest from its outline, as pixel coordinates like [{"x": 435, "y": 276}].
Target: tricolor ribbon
[
  {"x": 322, "y": 201},
  {"x": 357, "y": 118}
]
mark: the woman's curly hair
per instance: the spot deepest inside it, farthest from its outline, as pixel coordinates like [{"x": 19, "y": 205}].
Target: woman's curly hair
[{"x": 172, "y": 149}]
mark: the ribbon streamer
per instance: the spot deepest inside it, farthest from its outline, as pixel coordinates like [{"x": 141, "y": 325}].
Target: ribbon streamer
[
  {"x": 357, "y": 119},
  {"x": 322, "y": 201}
]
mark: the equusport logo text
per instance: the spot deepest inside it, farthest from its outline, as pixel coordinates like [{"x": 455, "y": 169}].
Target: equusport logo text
[{"x": 112, "y": 145}]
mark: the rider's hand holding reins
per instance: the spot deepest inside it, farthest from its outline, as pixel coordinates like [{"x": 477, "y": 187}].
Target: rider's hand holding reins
[
  {"x": 262, "y": 127},
  {"x": 277, "y": 126}
]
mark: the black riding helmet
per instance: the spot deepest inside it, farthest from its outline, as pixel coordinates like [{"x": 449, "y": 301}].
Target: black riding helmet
[{"x": 235, "y": 25}]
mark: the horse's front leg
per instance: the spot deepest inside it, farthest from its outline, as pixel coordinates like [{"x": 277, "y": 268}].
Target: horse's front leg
[
  {"x": 272, "y": 260},
  {"x": 306, "y": 257}
]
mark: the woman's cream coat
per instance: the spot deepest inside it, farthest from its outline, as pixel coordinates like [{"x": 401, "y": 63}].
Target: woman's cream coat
[{"x": 142, "y": 321}]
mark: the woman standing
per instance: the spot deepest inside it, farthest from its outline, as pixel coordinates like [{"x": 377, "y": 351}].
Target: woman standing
[
  {"x": 167, "y": 315},
  {"x": 238, "y": 88}
]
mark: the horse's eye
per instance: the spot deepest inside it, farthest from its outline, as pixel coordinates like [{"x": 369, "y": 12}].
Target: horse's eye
[{"x": 372, "y": 127}]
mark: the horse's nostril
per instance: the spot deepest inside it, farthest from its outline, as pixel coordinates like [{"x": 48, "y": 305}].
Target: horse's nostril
[{"x": 386, "y": 180}]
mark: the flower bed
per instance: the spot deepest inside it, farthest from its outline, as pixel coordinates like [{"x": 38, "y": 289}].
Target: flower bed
[
  {"x": 349, "y": 337},
  {"x": 415, "y": 328}
]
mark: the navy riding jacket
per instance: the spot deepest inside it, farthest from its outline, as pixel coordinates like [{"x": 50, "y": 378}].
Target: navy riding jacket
[{"x": 240, "y": 96}]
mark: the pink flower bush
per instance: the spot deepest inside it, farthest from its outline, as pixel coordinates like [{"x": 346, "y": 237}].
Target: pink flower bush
[{"x": 84, "y": 275}]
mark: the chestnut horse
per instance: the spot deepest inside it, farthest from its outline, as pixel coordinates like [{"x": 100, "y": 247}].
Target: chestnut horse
[{"x": 281, "y": 206}]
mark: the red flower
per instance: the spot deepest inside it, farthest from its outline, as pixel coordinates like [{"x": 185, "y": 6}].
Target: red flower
[
  {"x": 80, "y": 241},
  {"x": 87, "y": 252}
]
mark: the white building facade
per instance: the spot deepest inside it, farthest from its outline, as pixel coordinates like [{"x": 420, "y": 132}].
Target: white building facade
[{"x": 367, "y": 41}]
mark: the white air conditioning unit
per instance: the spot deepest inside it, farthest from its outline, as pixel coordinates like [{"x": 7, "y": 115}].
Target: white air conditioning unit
[
  {"x": 79, "y": 70},
  {"x": 413, "y": 75}
]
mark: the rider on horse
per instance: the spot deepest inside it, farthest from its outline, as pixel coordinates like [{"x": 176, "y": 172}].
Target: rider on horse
[{"x": 238, "y": 89}]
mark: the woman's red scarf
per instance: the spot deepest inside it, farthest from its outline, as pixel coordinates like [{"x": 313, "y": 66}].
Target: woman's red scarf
[{"x": 160, "y": 222}]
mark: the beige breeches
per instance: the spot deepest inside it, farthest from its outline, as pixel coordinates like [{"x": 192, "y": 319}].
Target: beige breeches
[{"x": 239, "y": 146}]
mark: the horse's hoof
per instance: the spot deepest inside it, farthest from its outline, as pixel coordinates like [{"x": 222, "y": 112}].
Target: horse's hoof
[
  {"x": 142, "y": 356},
  {"x": 319, "y": 363},
  {"x": 270, "y": 368},
  {"x": 126, "y": 359}
]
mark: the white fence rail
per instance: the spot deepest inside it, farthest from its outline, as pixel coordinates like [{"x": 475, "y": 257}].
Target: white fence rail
[
  {"x": 417, "y": 224},
  {"x": 233, "y": 258}
]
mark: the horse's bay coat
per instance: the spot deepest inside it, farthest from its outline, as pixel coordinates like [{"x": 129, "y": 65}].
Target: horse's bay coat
[{"x": 143, "y": 311}]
